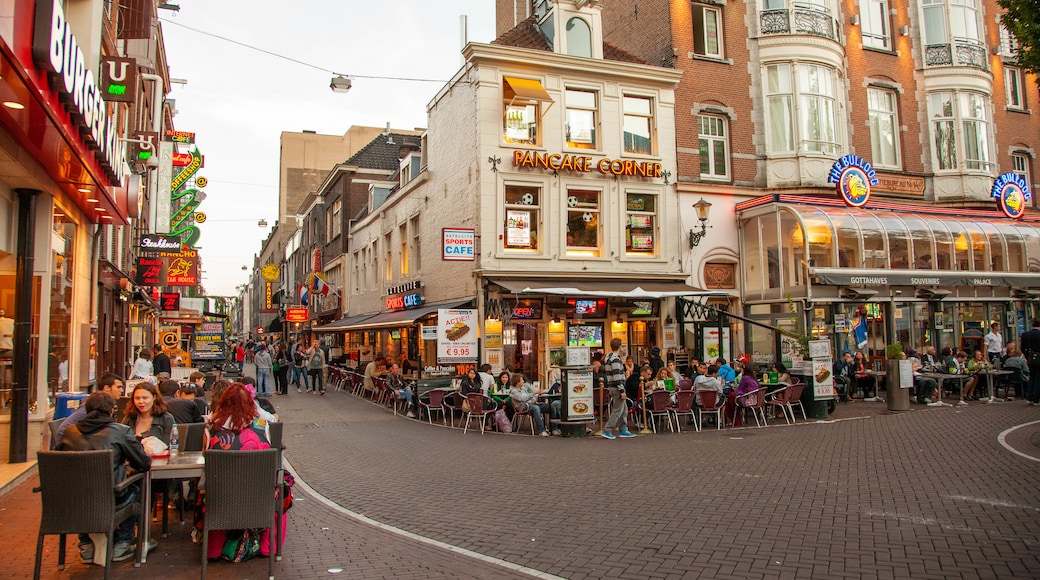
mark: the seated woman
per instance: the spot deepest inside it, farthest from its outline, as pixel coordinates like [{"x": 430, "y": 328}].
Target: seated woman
[
  {"x": 523, "y": 395},
  {"x": 147, "y": 415},
  {"x": 235, "y": 425},
  {"x": 975, "y": 365},
  {"x": 747, "y": 384},
  {"x": 471, "y": 383},
  {"x": 781, "y": 372}
]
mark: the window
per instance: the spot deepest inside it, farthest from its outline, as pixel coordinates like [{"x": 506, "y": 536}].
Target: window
[
  {"x": 522, "y": 217},
  {"x": 940, "y": 110},
  {"x": 1008, "y": 43},
  {"x": 1020, "y": 166},
  {"x": 874, "y": 23},
  {"x": 583, "y": 222},
  {"x": 934, "y": 21},
  {"x": 522, "y": 110},
  {"x": 1013, "y": 86},
  {"x": 639, "y": 124},
  {"x": 964, "y": 19},
  {"x": 416, "y": 253},
  {"x": 581, "y": 118},
  {"x": 713, "y": 147},
  {"x": 388, "y": 259},
  {"x": 579, "y": 38},
  {"x": 328, "y": 224},
  {"x": 884, "y": 127},
  {"x": 337, "y": 227},
  {"x": 780, "y": 97},
  {"x": 707, "y": 31},
  {"x": 976, "y": 131},
  {"x": 640, "y": 224},
  {"x": 819, "y": 109},
  {"x": 402, "y": 235}
]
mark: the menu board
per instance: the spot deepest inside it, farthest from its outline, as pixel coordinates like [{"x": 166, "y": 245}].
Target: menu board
[
  {"x": 578, "y": 395},
  {"x": 456, "y": 336},
  {"x": 823, "y": 380}
]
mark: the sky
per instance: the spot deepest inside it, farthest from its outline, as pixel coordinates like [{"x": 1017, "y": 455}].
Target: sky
[{"x": 238, "y": 100}]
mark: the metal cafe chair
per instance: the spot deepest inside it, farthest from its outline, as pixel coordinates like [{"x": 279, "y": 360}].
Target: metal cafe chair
[
  {"x": 434, "y": 405},
  {"x": 477, "y": 411},
  {"x": 660, "y": 405},
  {"x": 78, "y": 493},
  {"x": 684, "y": 402},
  {"x": 710, "y": 404}
]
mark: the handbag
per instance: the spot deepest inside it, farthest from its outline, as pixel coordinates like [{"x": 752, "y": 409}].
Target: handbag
[
  {"x": 241, "y": 546},
  {"x": 465, "y": 406},
  {"x": 502, "y": 420}
]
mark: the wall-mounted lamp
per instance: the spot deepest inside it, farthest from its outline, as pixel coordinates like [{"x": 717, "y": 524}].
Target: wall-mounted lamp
[
  {"x": 855, "y": 20},
  {"x": 702, "y": 207},
  {"x": 340, "y": 84},
  {"x": 904, "y": 30}
]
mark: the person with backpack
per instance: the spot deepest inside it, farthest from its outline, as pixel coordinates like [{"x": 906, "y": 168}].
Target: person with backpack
[
  {"x": 299, "y": 371},
  {"x": 315, "y": 368}
]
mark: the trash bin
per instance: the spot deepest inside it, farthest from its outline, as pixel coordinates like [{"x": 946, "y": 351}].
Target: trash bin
[{"x": 67, "y": 403}]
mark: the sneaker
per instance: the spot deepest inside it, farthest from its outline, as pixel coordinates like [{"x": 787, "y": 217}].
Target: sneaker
[
  {"x": 557, "y": 432},
  {"x": 122, "y": 552},
  {"x": 545, "y": 433},
  {"x": 963, "y": 403},
  {"x": 410, "y": 414},
  {"x": 298, "y": 390},
  {"x": 626, "y": 433},
  {"x": 323, "y": 392},
  {"x": 86, "y": 553},
  {"x": 606, "y": 435}
]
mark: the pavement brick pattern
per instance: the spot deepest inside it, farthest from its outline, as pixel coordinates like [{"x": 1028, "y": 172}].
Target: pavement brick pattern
[{"x": 924, "y": 494}]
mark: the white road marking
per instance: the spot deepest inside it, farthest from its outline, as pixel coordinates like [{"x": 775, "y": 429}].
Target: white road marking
[
  {"x": 413, "y": 536},
  {"x": 1002, "y": 439}
]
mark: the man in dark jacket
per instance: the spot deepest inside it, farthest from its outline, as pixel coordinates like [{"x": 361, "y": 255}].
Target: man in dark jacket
[
  {"x": 183, "y": 410},
  {"x": 100, "y": 431},
  {"x": 160, "y": 362},
  {"x": 1030, "y": 340}
]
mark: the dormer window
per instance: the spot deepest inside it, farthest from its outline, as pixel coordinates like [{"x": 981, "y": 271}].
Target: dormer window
[{"x": 579, "y": 38}]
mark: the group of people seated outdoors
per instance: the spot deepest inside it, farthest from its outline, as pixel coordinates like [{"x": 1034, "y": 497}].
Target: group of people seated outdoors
[{"x": 238, "y": 420}]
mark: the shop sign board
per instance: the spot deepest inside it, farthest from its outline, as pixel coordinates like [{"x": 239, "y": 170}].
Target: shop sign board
[
  {"x": 149, "y": 272},
  {"x": 180, "y": 136},
  {"x": 428, "y": 332},
  {"x": 153, "y": 244},
  {"x": 268, "y": 304},
  {"x": 899, "y": 184},
  {"x": 582, "y": 164},
  {"x": 1011, "y": 192},
  {"x": 118, "y": 79},
  {"x": 297, "y": 314},
  {"x": 182, "y": 269},
  {"x": 456, "y": 336},
  {"x": 823, "y": 379},
  {"x": 711, "y": 348},
  {"x": 883, "y": 278},
  {"x": 170, "y": 336},
  {"x": 853, "y": 176},
  {"x": 169, "y": 301},
  {"x": 458, "y": 244},
  {"x": 404, "y": 301},
  {"x": 578, "y": 401}
]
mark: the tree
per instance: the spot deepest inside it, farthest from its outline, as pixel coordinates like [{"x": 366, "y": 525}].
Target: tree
[{"x": 1022, "y": 19}]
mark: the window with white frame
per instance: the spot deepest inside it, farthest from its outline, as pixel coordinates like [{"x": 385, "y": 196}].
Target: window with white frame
[
  {"x": 402, "y": 238},
  {"x": 964, "y": 19},
  {"x": 640, "y": 224},
  {"x": 1020, "y": 166},
  {"x": 934, "y": 21},
  {"x": 522, "y": 114},
  {"x": 583, "y": 222},
  {"x": 707, "y": 30},
  {"x": 714, "y": 147},
  {"x": 884, "y": 127},
  {"x": 337, "y": 208},
  {"x": 639, "y": 124},
  {"x": 581, "y": 118},
  {"x": 579, "y": 37},
  {"x": 1013, "y": 87},
  {"x": 874, "y": 23},
  {"x": 1008, "y": 43},
  {"x": 975, "y": 121},
  {"x": 522, "y": 217},
  {"x": 416, "y": 253},
  {"x": 816, "y": 129},
  {"x": 388, "y": 259},
  {"x": 943, "y": 123}
]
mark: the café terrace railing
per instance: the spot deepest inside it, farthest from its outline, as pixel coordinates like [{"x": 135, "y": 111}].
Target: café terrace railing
[
  {"x": 961, "y": 52},
  {"x": 806, "y": 21}
]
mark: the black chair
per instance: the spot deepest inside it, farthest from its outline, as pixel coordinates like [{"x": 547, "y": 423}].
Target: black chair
[
  {"x": 274, "y": 431},
  {"x": 78, "y": 492},
  {"x": 239, "y": 487},
  {"x": 191, "y": 436}
]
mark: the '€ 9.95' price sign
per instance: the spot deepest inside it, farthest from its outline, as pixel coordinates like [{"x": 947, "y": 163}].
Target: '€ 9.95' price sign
[{"x": 456, "y": 336}]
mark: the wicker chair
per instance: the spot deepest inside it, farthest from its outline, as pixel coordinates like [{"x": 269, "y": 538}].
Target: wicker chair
[
  {"x": 78, "y": 493},
  {"x": 239, "y": 487}
]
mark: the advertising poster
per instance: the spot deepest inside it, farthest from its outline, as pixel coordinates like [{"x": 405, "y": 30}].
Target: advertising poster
[
  {"x": 456, "y": 336},
  {"x": 906, "y": 374},
  {"x": 518, "y": 228},
  {"x": 823, "y": 380},
  {"x": 458, "y": 244},
  {"x": 711, "y": 350},
  {"x": 493, "y": 357},
  {"x": 209, "y": 342},
  {"x": 579, "y": 398},
  {"x": 671, "y": 332}
]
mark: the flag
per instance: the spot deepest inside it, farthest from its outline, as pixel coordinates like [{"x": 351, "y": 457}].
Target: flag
[
  {"x": 319, "y": 285},
  {"x": 859, "y": 330},
  {"x": 305, "y": 295}
]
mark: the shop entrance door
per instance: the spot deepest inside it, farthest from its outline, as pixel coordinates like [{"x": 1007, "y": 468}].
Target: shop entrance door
[{"x": 522, "y": 348}]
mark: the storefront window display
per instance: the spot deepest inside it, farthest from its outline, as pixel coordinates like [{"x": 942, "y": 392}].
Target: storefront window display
[{"x": 60, "y": 297}]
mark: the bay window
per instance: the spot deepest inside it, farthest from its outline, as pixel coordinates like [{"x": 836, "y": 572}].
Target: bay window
[
  {"x": 816, "y": 128},
  {"x": 967, "y": 112},
  {"x": 976, "y": 131},
  {"x": 944, "y": 141}
]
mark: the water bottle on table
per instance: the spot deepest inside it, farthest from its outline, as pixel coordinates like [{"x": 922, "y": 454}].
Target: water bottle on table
[{"x": 174, "y": 440}]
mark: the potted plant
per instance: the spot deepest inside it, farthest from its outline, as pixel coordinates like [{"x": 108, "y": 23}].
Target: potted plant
[{"x": 898, "y": 399}]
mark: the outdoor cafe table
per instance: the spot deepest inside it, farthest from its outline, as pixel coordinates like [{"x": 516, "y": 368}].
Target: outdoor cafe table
[
  {"x": 877, "y": 389},
  {"x": 990, "y": 373},
  {"x": 184, "y": 465},
  {"x": 940, "y": 377}
]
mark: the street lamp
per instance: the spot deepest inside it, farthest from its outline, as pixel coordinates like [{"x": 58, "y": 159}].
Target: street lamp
[
  {"x": 340, "y": 84},
  {"x": 702, "y": 207}
]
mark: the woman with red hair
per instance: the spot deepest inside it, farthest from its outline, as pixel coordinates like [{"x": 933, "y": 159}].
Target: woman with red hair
[{"x": 234, "y": 423}]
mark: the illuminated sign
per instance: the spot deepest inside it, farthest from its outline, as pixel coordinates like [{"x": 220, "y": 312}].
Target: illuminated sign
[
  {"x": 404, "y": 301},
  {"x": 582, "y": 164},
  {"x": 153, "y": 244},
  {"x": 268, "y": 298},
  {"x": 457, "y": 243},
  {"x": 169, "y": 301},
  {"x": 852, "y": 177},
  {"x": 1011, "y": 192},
  {"x": 296, "y": 314},
  {"x": 149, "y": 272},
  {"x": 402, "y": 288},
  {"x": 180, "y": 136}
]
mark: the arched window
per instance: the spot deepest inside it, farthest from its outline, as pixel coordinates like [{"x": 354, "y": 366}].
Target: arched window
[{"x": 579, "y": 38}]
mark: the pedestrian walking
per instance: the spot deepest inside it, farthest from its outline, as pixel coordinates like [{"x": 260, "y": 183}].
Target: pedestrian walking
[
  {"x": 280, "y": 367},
  {"x": 315, "y": 368},
  {"x": 263, "y": 362},
  {"x": 299, "y": 370},
  {"x": 614, "y": 368}
]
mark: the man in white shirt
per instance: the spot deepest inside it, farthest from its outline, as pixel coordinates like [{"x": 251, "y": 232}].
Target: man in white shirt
[{"x": 994, "y": 344}]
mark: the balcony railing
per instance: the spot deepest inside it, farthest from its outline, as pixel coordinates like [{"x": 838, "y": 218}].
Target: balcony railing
[
  {"x": 961, "y": 52},
  {"x": 806, "y": 21}
]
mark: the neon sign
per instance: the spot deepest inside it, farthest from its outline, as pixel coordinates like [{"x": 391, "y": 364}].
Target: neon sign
[{"x": 853, "y": 176}]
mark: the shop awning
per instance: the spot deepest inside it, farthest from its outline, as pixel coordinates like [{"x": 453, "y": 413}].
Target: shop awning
[
  {"x": 527, "y": 89},
  {"x": 606, "y": 288},
  {"x": 401, "y": 318},
  {"x": 873, "y": 278},
  {"x": 344, "y": 323}
]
